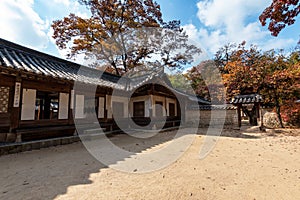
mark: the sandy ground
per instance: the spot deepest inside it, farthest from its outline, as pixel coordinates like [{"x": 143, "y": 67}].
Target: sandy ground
[{"x": 246, "y": 165}]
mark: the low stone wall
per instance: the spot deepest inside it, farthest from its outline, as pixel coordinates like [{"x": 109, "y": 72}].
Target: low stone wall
[
  {"x": 216, "y": 117},
  {"x": 212, "y": 117},
  {"x": 8, "y": 137},
  {"x": 28, "y": 146}
]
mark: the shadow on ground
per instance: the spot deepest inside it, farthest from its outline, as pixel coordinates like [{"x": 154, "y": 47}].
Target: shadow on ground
[{"x": 47, "y": 173}]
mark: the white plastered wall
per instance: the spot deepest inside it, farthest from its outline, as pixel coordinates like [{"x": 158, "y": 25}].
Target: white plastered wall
[
  {"x": 123, "y": 100},
  {"x": 79, "y": 107},
  {"x": 101, "y": 108},
  {"x": 108, "y": 106},
  {"x": 28, "y": 104},
  {"x": 63, "y": 112}
]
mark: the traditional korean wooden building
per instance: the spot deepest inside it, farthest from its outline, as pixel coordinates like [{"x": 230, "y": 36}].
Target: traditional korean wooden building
[{"x": 38, "y": 100}]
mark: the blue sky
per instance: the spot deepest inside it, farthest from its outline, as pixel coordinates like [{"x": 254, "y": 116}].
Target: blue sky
[{"x": 209, "y": 23}]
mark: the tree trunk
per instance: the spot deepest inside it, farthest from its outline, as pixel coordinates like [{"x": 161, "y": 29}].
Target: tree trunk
[
  {"x": 115, "y": 67},
  {"x": 278, "y": 114},
  {"x": 278, "y": 111}
]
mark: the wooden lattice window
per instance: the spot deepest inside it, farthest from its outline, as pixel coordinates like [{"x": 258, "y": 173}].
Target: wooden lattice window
[
  {"x": 4, "y": 98},
  {"x": 139, "y": 109},
  {"x": 172, "y": 109}
]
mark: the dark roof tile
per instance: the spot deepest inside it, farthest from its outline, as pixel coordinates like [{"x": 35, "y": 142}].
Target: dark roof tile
[
  {"x": 24, "y": 59},
  {"x": 247, "y": 99}
]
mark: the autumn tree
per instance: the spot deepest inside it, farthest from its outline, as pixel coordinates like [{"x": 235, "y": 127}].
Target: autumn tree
[
  {"x": 224, "y": 55},
  {"x": 270, "y": 73},
  {"x": 238, "y": 65},
  {"x": 291, "y": 91},
  {"x": 279, "y": 14},
  {"x": 125, "y": 34},
  {"x": 207, "y": 82},
  {"x": 242, "y": 75}
]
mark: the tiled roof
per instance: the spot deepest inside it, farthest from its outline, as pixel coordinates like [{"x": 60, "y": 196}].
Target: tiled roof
[
  {"x": 198, "y": 99},
  {"x": 247, "y": 99},
  {"x": 146, "y": 77},
  {"x": 22, "y": 59},
  {"x": 13, "y": 56},
  {"x": 164, "y": 81},
  {"x": 212, "y": 107}
]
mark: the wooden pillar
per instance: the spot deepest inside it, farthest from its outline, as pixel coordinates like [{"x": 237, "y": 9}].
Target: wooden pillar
[
  {"x": 257, "y": 106},
  {"x": 15, "y": 109},
  {"x": 165, "y": 108},
  {"x": 262, "y": 120},
  {"x": 239, "y": 116},
  {"x": 105, "y": 108},
  {"x": 181, "y": 112},
  {"x": 71, "y": 108},
  {"x": 151, "y": 106}
]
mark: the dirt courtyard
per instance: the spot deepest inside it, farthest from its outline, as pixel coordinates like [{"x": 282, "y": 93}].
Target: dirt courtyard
[{"x": 242, "y": 165}]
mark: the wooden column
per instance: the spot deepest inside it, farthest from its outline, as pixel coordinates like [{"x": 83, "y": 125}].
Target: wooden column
[
  {"x": 15, "y": 108},
  {"x": 239, "y": 116},
  {"x": 71, "y": 107},
  {"x": 257, "y": 105},
  {"x": 151, "y": 106},
  {"x": 105, "y": 110},
  {"x": 262, "y": 120},
  {"x": 181, "y": 112}
]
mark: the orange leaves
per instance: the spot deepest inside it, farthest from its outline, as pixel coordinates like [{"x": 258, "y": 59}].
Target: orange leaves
[
  {"x": 252, "y": 71},
  {"x": 116, "y": 34},
  {"x": 280, "y": 13},
  {"x": 206, "y": 81}
]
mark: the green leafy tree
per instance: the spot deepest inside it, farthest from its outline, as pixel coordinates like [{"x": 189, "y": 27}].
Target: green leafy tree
[{"x": 180, "y": 82}]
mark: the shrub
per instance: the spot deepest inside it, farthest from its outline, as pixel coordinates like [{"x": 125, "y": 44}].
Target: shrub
[{"x": 291, "y": 113}]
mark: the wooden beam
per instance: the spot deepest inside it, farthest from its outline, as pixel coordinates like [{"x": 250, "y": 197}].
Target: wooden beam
[
  {"x": 15, "y": 111},
  {"x": 262, "y": 128},
  {"x": 70, "y": 116},
  {"x": 239, "y": 115}
]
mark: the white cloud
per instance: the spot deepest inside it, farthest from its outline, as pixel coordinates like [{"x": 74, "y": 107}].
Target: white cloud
[
  {"x": 279, "y": 43},
  {"x": 21, "y": 24},
  {"x": 57, "y": 13},
  {"x": 228, "y": 14},
  {"x": 235, "y": 21},
  {"x": 230, "y": 20},
  {"x": 65, "y": 2},
  {"x": 28, "y": 22},
  {"x": 209, "y": 42}
]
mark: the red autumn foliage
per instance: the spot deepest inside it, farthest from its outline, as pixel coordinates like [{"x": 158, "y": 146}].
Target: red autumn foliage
[{"x": 279, "y": 14}]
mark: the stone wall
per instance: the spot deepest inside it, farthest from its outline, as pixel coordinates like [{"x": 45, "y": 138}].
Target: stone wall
[
  {"x": 270, "y": 118},
  {"x": 212, "y": 117},
  {"x": 34, "y": 145}
]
